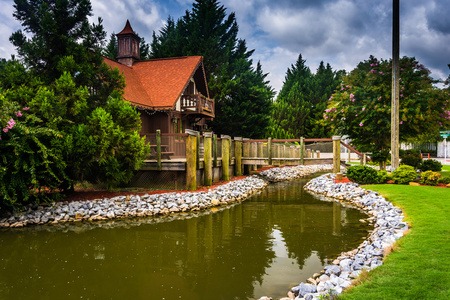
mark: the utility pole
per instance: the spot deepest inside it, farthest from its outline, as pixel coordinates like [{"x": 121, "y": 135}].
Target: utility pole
[{"x": 395, "y": 97}]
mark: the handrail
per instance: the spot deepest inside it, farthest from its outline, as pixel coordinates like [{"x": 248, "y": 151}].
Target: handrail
[
  {"x": 352, "y": 149},
  {"x": 199, "y": 102},
  {"x": 166, "y": 134},
  {"x": 287, "y": 140}
]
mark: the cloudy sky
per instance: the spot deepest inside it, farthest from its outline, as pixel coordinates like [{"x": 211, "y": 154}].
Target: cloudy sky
[{"x": 340, "y": 32}]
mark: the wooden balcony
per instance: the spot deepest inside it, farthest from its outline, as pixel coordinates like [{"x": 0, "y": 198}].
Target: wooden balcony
[{"x": 197, "y": 104}]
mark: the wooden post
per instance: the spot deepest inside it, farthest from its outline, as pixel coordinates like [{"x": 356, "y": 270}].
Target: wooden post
[
  {"x": 254, "y": 153},
  {"x": 336, "y": 154},
  {"x": 318, "y": 153},
  {"x": 198, "y": 150},
  {"x": 246, "y": 154},
  {"x": 278, "y": 153},
  {"x": 302, "y": 151},
  {"x": 214, "y": 149},
  {"x": 191, "y": 160},
  {"x": 395, "y": 97},
  {"x": 207, "y": 157},
  {"x": 158, "y": 150},
  {"x": 260, "y": 153},
  {"x": 238, "y": 156},
  {"x": 225, "y": 157},
  {"x": 364, "y": 159},
  {"x": 308, "y": 153},
  {"x": 269, "y": 150}
]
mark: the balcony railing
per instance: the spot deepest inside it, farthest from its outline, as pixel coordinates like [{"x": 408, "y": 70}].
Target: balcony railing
[{"x": 197, "y": 104}]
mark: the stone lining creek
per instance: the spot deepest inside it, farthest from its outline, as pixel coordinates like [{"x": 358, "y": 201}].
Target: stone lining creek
[
  {"x": 197, "y": 245},
  {"x": 389, "y": 226},
  {"x": 149, "y": 205}
]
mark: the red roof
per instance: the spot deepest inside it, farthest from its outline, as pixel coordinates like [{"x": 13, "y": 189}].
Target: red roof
[
  {"x": 157, "y": 83},
  {"x": 127, "y": 29}
]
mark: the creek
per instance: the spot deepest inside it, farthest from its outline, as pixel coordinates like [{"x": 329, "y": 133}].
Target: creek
[{"x": 260, "y": 247}]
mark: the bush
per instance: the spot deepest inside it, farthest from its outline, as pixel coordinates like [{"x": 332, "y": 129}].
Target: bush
[
  {"x": 445, "y": 180},
  {"x": 430, "y": 178},
  {"x": 362, "y": 174},
  {"x": 412, "y": 159},
  {"x": 404, "y": 174},
  {"x": 29, "y": 166},
  {"x": 430, "y": 165},
  {"x": 383, "y": 176}
]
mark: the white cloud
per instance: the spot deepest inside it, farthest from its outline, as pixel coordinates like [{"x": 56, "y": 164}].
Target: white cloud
[
  {"x": 8, "y": 25},
  {"x": 339, "y": 32},
  {"x": 144, "y": 15}
]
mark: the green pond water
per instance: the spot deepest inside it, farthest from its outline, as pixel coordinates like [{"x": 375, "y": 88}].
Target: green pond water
[{"x": 260, "y": 247}]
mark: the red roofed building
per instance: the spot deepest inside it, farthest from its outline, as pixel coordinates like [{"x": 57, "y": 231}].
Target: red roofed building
[{"x": 171, "y": 93}]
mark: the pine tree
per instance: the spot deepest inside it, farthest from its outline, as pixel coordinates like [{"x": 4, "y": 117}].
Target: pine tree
[
  {"x": 302, "y": 100},
  {"x": 144, "y": 49},
  {"x": 243, "y": 97},
  {"x": 111, "y": 48}
]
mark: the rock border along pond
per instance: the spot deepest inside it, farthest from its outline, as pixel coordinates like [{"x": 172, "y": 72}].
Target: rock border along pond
[
  {"x": 129, "y": 207},
  {"x": 388, "y": 227},
  {"x": 387, "y": 219}
]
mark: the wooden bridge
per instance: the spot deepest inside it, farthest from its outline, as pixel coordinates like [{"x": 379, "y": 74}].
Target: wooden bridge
[{"x": 207, "y": 158}]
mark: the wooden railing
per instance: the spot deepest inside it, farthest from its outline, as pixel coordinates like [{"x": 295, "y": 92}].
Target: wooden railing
[{"x": 197, "y": 103}]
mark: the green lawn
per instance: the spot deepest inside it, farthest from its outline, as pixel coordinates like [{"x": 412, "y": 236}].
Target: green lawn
[
  {"x": 445, "y": 171},
  {"x": 420, "y": 267}
]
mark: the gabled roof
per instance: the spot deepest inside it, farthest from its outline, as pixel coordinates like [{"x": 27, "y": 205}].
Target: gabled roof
[{"x": 158, "y": 83}]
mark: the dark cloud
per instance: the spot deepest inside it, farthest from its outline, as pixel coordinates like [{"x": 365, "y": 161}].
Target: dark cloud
[
  {"x": 341, "y": 32},
  {"x": 439, "y": 18}
]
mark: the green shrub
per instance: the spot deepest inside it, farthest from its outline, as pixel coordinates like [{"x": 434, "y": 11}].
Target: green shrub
[
  {"x": 383, "y": 176},
  {"x": 430, "y": 165},
  {"x": 412, "y": 159},
  {"x": 430, "y": 178},
  {"x": 445, "y": 180},
  {"x": 404, "y": 174},
  {"x": 29, "y": 165},
  {"x": 362, "y": 174}
]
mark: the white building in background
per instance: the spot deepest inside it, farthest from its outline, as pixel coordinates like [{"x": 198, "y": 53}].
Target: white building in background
[{"x": 441, "y": 148}]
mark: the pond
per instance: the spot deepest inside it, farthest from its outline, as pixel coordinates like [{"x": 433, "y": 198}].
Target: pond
[{"x": 260, "y": 247}]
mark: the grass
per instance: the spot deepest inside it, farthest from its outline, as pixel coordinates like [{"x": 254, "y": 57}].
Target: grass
[
  {"x": 445, "y": 172},
  {"x": 419, "y": 266}
]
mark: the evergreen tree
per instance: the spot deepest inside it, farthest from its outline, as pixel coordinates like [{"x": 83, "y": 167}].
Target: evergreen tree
[
  {"x": 302, "y": 100},
  {"x": 144, "y": 49},
  {"x": 111, "y": 50},
  {"x": 243, "y": 97}
]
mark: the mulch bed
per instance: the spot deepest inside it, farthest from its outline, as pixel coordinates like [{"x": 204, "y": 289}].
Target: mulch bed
[{"x": 344, "y": 180}]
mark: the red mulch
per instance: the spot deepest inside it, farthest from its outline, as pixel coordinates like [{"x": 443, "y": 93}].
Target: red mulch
[{"x": 344, "y": 180}]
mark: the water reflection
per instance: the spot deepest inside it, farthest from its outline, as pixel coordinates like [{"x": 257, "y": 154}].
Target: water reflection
[{"x": 259, "y": 247}]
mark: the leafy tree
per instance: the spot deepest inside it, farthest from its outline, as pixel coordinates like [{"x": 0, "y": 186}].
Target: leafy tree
[
  {"x": 361, "y": 108},
  {"x": 27, "y": 161},
  {"x": 301, "y": 101},
  {"x": 243, "y": 97},
  {"x": 69, "y": 88}
]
